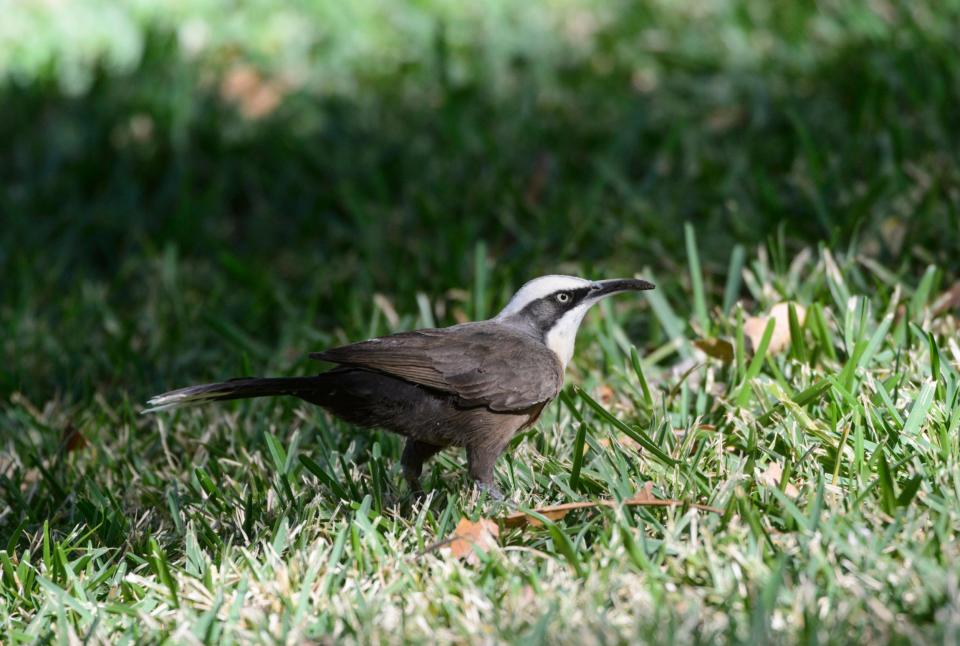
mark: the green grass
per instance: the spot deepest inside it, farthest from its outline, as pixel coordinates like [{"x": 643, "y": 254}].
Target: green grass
[
  {"x": 153, "y": 236},
  {"x": 836, "y": 475}
]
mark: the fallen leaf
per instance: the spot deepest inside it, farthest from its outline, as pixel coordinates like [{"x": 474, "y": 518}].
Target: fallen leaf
[
  {"x": 772, "y": 474},
  {"x": 717, "y": 348},
  {"x": 643, "y": 498},
  {"x": 253, "y": 94},
  {"x": 625, "y": 441},
  {"x": 469, "y": 537},
  {"x": 754, "y": 327},
  {"x": 771, "y": 477},
  {"x": 629, "y": 443},
  {"x": 72, "y": 439},
  {"x": 605, "y": 394},
  {"x": 644, "y": 495}
]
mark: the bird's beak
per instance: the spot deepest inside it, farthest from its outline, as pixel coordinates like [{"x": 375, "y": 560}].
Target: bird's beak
[{"x": 601, "y": 288}]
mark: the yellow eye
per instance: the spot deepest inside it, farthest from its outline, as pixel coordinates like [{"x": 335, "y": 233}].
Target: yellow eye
[{"x": 563, "y": 297}]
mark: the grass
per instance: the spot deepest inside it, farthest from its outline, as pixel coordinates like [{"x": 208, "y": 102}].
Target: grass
[
  {"x": 156, "y": 234},
  {"x": 834, "y": 464}
]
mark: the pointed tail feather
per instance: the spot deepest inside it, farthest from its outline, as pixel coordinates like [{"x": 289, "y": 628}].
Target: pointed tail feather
[{"x": 243, "y": 388}]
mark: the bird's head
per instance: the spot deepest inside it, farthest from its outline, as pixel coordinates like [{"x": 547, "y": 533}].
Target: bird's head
[{"x": 554, "y": 306}]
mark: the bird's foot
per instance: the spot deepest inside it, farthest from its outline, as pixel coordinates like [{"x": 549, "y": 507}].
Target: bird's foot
[
  {"x": 415, "y": 492},
  {"x": 490, "y": 490}
]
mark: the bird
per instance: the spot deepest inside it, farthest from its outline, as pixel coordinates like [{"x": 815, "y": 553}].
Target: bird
[{"x": 473, "y": 385}]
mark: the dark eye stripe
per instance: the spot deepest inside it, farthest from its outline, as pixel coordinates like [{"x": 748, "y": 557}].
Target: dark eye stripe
[
  {"x": 542, "y": 314},
  {"x": 576, "y": 295}
]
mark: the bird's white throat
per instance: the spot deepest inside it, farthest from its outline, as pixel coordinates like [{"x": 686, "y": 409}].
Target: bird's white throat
[{"x": 563, "y": 335}]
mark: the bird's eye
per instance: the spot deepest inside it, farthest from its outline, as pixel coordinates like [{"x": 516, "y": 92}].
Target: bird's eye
[{"x": 563, "y": 297}]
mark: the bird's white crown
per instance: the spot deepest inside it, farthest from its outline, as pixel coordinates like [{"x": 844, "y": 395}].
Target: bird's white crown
[{"x": 538, "y": 288}]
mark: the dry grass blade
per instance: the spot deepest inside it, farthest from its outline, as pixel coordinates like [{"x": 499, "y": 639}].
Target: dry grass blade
[
  {"x": 947, "y": 301},
  {"x": 644, "y": 498}
]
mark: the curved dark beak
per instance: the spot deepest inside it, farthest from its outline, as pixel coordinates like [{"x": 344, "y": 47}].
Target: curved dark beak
[{"x": 602, "y": 288}]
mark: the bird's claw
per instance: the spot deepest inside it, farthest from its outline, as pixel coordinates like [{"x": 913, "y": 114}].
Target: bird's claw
[{"x": 490, "y": 490}]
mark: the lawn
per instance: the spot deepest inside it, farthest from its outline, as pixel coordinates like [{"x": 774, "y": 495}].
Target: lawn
[{"x": 192, "y": 191}]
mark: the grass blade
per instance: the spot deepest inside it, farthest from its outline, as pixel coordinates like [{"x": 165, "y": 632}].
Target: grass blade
[
  {"x": 732, "y": 288},
  {"x": 638, "y": 370},
  {"x": 324, "y": 477},
  {"x": 162, "y": 569},
  {"x": 578, "y": 451},
  {"x": 921, "y": 406},
  {"x": 671, "y": 323},
  {"x": 635, "y": 434},
  {"x": 480, "y": 281},
  {"x": 743, "y": 395},
  {"x": 798, "y": 343},
  {"x": 696, "y": 280}
]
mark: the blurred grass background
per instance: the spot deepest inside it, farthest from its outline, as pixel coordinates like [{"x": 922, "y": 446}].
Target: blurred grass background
[
  {"x": 193, "y": 190},
  {"x": 273, "y": 164}
]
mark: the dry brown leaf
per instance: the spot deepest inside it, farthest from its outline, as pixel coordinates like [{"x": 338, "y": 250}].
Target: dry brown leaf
[
  {"x": 471, "y": 536},
  {"x": 642, "y": 498},
  {"x": 254, "y": 95},
  {"x": 772, "y": 475},
  {"x": 73, "y": 439},
  {"x": 754, "y": 327},
  {"x": 716, "y": 348},
  {"x": 625, "y": 441},
  {"x": 605, "y": 394},
  {"x": 628, "y": 442}
]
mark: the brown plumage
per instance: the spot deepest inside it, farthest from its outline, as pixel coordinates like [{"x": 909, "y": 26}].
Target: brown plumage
[{"x": 477, "y": 362}]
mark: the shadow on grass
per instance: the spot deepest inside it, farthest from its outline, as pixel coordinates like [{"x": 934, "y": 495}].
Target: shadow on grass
[{"x": 598, "y": 172}]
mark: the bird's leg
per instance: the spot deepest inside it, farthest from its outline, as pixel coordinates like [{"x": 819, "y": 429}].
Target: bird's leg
[
  {"x": 480, "y": 462},
  {"x": 415, "y": 453}
]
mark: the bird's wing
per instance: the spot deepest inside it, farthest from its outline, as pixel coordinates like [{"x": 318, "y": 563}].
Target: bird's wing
[{"x": 481, "y": 363}]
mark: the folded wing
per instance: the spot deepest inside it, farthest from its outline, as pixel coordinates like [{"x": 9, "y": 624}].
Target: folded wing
[{"x": 482, "y": 363}]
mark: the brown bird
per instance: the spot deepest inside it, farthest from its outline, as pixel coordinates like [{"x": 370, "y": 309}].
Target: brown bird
[{"x": 473, "y": 385}]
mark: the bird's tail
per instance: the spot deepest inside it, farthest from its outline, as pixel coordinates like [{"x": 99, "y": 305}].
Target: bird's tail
[{"x": 242, "y": 388}]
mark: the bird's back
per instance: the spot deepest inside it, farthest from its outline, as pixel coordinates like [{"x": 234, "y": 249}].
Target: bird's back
[{"x": 485, "y": 364}]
